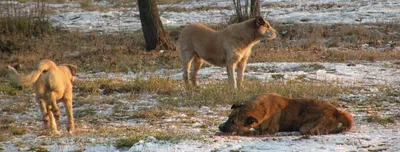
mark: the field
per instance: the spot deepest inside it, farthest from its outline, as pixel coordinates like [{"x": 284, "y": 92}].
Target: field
[{"x": 127, "y": 99}]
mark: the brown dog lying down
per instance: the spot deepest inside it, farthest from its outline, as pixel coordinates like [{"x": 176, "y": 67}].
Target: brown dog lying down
[
  {"x": 51, "y": 83},
  {"x": 271, "y": 113}
]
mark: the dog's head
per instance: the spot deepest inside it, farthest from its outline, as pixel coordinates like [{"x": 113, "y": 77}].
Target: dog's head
[
  {"x": 72, "y": 69},
  {"x": 263, "y": 29},
  {"x": 241, "y": 119}
]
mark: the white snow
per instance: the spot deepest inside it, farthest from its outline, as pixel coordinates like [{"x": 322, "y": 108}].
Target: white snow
[
  {"x": 364, "y": 136},
  {"x": 328, "y": 12},
  {"x": 353, "y": 141},
  {"x": 362, "y": 74}
]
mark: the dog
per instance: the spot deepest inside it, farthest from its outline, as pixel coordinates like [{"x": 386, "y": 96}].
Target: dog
[
  {"x": 271, "y": 113},
  {"x": 230, "y": 47},
  {"x": 51, "y": 84}
]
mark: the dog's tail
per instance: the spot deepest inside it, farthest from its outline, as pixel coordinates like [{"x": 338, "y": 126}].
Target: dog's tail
[
  {"x": 346, "y": 119},
  {"x": 29, "y": 79}
]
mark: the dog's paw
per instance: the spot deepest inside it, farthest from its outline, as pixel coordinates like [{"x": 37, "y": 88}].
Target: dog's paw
[
  {"x": 55, "y": 133},
  {"x": 57, "y": 114}
]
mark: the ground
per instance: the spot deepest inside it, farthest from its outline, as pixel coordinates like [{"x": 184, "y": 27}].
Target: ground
[{"x": 123, "y": 103}]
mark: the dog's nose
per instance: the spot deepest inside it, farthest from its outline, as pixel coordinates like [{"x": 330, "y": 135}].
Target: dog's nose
[{"x": 221, "y": 127}]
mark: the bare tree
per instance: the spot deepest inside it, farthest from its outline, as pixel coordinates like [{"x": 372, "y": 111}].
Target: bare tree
[
  {"x": 153, "y": 31},
  {"x": 255, "y": 8},
  {"x": 242, "y": 12}
]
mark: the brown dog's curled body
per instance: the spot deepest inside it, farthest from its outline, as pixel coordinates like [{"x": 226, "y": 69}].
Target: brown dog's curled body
[
  {"x": 271, "y": 113},
  {"x": 51, "y": 83},
  {"x": 230, "y": 47}
]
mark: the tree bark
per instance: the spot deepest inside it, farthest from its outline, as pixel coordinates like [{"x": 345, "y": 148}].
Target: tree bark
[
  {"x": 153, "y": 31},
  {"x": 243, "y": 13},
  {"x": 255, "y": 8}
]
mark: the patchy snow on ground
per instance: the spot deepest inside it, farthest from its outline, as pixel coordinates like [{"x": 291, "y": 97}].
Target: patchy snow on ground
[
  {"x": 304, "y": 11},
  {"x": 380, "y": 140},
  {"x": 363, "y": 137},
  {"x": 362, "y": 74}
]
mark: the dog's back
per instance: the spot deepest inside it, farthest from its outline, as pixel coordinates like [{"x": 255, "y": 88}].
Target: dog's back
[
  {"x": 202, "y": 41},
  {"x": 46, "y": 77},
  {"x": 308, "y": 111}
]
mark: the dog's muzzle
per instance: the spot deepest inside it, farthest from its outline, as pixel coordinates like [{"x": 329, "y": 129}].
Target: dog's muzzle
[
  {"x": 221, "y": 127},
  {"x": 269, "y": 35}
]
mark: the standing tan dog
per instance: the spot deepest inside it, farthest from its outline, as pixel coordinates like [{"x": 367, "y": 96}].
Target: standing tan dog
[
  {"x": 271, "y": 113},
  {"x": 51, "y": 83},
  {"x": 228, "y": 48}
]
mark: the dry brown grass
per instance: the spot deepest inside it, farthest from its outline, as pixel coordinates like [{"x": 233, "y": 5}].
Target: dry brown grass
[
  {"x": 122, "y": 52},
  {"x": 112, "y": 86},
  {"x": 198, "y": 8},
  {"x": 374, "y": 117},
  {"x": 219, "y": 93}
]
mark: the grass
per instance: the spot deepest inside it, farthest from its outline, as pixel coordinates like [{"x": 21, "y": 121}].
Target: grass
[
  {"x": 10, "y": 89},
  {"x": 26, "y": 41},
  {"x": 85, "y": 113},
  {"x": 374, "y": 117},
  {"x": 17, "y": 106},
  {"x": 39, "y": 149},
  {"x": 143, "y": 133},
  {"x": 197, "y": 8},
  {"x": 123, "y": 52},
  {"x": 152, "y": 113},
  {"x": 110, "y": 86},
  {"x": 16, "y": 130},
  {"x": 219, "y": 93},
  {"x": 18, "y": 21}
]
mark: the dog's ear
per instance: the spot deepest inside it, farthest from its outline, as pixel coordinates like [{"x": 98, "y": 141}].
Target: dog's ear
[
  {"x": 250, "y": 120},
  {"x": 234, "y": 106},
  {"x": 72, "y": 68},
  {"x": 259, "y": 21}
]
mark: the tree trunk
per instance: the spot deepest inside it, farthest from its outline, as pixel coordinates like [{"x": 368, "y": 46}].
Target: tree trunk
[
  {"x": 255, "y": 8},
  {"x": 243, "y": 13},
  {"x": 153, "y": 31}
]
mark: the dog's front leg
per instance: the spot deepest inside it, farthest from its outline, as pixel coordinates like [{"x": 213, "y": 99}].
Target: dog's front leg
[
  {"x": 231, "y": 74},
  {"x": 240, "y": 71}
]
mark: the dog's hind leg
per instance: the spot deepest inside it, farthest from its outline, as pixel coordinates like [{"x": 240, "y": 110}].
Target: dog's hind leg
[
  {"x": 306, "y": 129},
  {"x": 319, "y": 127},
  {"x": 53, "y": 101},
  {"x": 197, "y": 63},
  {"x": 68, "y": 109},
  {"x": 53, "y": 123},
  {"x": 187, "y": 58}
]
